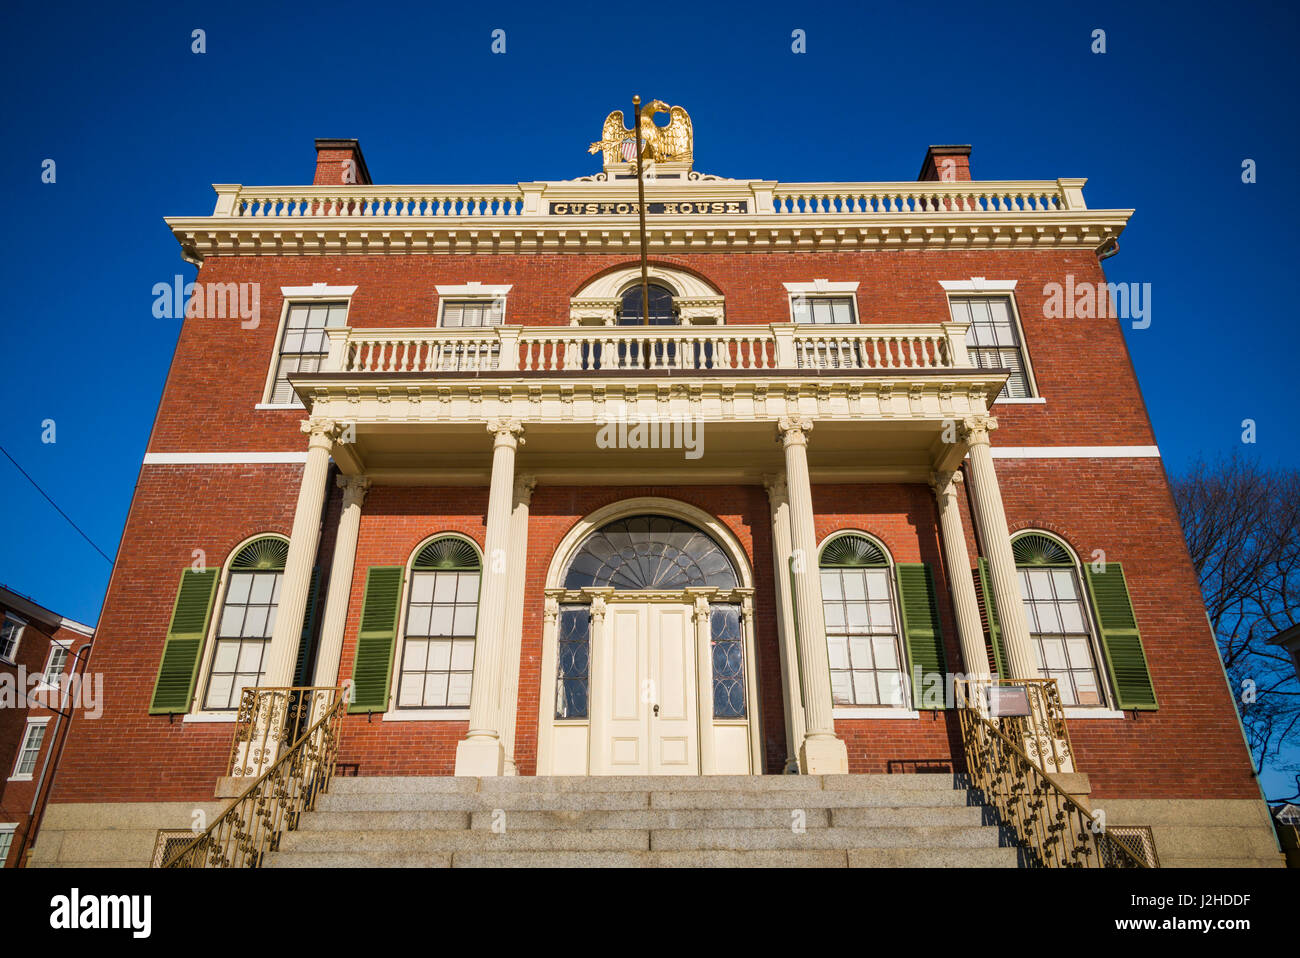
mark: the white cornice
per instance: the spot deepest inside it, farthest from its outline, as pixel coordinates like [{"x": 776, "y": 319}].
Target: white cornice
[
  {"x": 821, "y": 286},
  {"x": 978, "y": 284},
  {"x": 317, "y": 291}
]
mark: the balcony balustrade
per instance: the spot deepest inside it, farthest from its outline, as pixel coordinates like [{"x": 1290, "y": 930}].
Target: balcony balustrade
[{"x": 660, "y": 349}]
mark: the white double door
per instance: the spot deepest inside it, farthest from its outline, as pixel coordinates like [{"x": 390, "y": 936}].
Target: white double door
[{"x": 646, "y": 691}]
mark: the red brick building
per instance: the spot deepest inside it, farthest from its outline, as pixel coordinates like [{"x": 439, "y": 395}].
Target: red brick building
[
  {"x": 41, "y": 653},
  {"x": 539, "y": 516}
]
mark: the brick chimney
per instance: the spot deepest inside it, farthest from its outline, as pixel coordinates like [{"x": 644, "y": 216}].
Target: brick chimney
[
  {"x": 339, "y": 162},
  {"x": 947, "y": 163}
]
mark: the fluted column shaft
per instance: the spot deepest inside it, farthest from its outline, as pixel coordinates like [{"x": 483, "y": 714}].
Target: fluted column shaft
[
  {"x": 822, "y": 752},
  {"x": 282, "y": 655},
  {"x": 970, "y": 632},
  {"x": 782, "y": 549},
  {"x": 340, "y": 584},
  {"x": 516, "y": 570},
  {"x": 992, "y": 521},
  {"x": 481, "y": 752}
]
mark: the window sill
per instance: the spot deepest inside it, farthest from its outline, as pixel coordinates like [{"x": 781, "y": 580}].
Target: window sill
[
  {"x": 4, "y": 661},
  {"x": 1086, "y": 712},
  {"x": 427, "y": 715},
  {"x": 20, "y": 778},
  {"x": 870, "y": 712},
  {"x": 202, "y": 718},
  {"x": 1029, "y": 401}
]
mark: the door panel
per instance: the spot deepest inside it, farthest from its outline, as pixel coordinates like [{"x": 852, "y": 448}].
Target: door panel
[
  {"x": 674, "y": 732},
  {"x": 649, "y": 660},
  {"x": 624, "y": 673}
]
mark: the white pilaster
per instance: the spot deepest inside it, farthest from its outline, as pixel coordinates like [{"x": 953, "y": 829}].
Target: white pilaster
[
  {"x": 596, "y": 691},
  {"x": 282, "y": 655},
  {"x": 970, "y": 632},
  {"x": 782, "y": 549},
  {"x": 516, "y": 570},
  {"x": 340, "y": 584},
  {"x": 822, "y": 753},
  {"x": 991, "y": 519},
  {"x": 700, "y": 616},
  {"x": 481, "y": 751}
]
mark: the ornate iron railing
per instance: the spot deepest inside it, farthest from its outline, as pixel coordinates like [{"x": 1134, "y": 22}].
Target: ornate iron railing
[
  {"x": 242, "y": 835},
  {"x": 270, "y": 719},
  {"x": 1054, "y": 829},
  {"x": 1037, "y": 721}
]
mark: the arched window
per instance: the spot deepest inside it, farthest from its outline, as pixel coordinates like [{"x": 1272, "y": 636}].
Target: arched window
[
  {"x": 862, "y": 634},
  {"x": 649, "y": 552},
  {"x": 437, "y": 667},
  {"x": 246, "y": 622},
  {"x": 1059, "y": 622},
  {"x": 662, "y": 312}
]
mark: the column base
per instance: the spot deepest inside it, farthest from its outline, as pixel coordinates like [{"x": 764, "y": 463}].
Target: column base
[
  {"x": 824, "y": 755},
  {"x": 480, "y": 757}
]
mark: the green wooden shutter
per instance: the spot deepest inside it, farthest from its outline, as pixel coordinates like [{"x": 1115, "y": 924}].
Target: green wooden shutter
[
  {"x": 191, "y": 613},
  {"x": 300, "y": 674},
  {"x": 1120, "y": 639},
  {"x": 373, "y": 665},
  {"x": 922, "y": 632},
  {"x": 992, "y": 626}
]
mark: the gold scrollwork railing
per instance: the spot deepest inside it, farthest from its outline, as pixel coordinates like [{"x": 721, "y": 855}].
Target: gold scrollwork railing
[
  {"x": 242, "y": 835},
  {"x": 1039, "y": 724},
  {"x": 1054, "y": 829},
  {"x": 270, "y": 719}
]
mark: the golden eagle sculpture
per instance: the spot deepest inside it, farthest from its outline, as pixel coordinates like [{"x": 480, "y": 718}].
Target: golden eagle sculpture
[{"x": 659, "y": 144}]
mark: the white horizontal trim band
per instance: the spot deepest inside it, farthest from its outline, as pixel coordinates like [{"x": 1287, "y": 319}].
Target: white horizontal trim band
[
  {"x": 1076, "y": 452},
  {"x": 873, "y": 712},
  {"x": 222, "y": 458}
]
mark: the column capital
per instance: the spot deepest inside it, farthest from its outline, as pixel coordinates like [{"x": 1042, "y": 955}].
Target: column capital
[
  {"x": 700, "y": 602},
  {"x": 524, "y": 486},
  {"x": 974, "y": 430},
  {"x": 354, "y": 489},
  {"x": 321, "y": 432},
  {"x": 793, "y": 430},
  {"x": 551, "y": 612},
  {"x": 944, "y": 483},
  {"x": 775, "y": 484},
  {"x": 506, "y": 432}
]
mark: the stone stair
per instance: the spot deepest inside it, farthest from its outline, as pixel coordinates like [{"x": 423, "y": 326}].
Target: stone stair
[{"x": 864, "y": 821}]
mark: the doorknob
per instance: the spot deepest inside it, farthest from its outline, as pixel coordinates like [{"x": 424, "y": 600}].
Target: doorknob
[{"x": 656, "y": 710}]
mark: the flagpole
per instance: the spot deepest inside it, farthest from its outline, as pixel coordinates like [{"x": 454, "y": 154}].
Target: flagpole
[{"x": 640, "y": 195}]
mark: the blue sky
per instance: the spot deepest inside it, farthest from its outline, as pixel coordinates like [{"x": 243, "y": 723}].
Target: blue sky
[{"x": 139, "y": 127}]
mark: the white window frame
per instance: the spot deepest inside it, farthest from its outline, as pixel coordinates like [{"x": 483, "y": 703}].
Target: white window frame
[
  {"x": 32, "y": 723},
  {"x": 823, "y": 289},
  {"x": 905, "y": 710},
  {"x": 297, "y": 295},
  {"x": 10, "y": 829},
  {"x": 12, "y": 657},
  {"x": 197, "y": 712},
  {"x": 412, "y": 714},
  {"x": 1106, "y": 707},
  {"x": 979, "y": 287},
  {"x": 473, "y": 292},
  {"x": 55, "y": 644}
]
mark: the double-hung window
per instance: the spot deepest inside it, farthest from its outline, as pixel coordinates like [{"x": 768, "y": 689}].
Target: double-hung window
[
  {"x": 11, "y": 631},
  {"x": 826, "y": 310},
  {"x": 437, "y": 667},
  {"x": 30, "y": 749},
  {"x": 54, "y": 664},
  {"x": 993, "y": 339},
  {"x": 304, "y": 344}
]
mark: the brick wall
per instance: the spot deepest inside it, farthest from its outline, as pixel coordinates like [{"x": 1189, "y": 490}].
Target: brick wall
[{"x": 220, "y": 370}]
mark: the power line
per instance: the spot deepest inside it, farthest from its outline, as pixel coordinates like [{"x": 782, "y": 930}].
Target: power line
[{"x": 55, "y": 505}]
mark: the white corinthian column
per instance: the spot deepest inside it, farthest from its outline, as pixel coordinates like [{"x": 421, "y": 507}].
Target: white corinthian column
[
  {"x": 991, "y": 519},
  {"x": 340, "y": 585},
  {"x": 482, "y": 752},
  {"x": 822, "y": 753},
  {"x": 282, "y": 655},
  {"x": 957, "y": 560}
]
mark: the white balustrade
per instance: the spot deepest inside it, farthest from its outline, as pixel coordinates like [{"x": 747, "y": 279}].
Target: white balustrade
[
  {"x": 785, "y": 199},
  {"x": 665, "y": 349}
]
